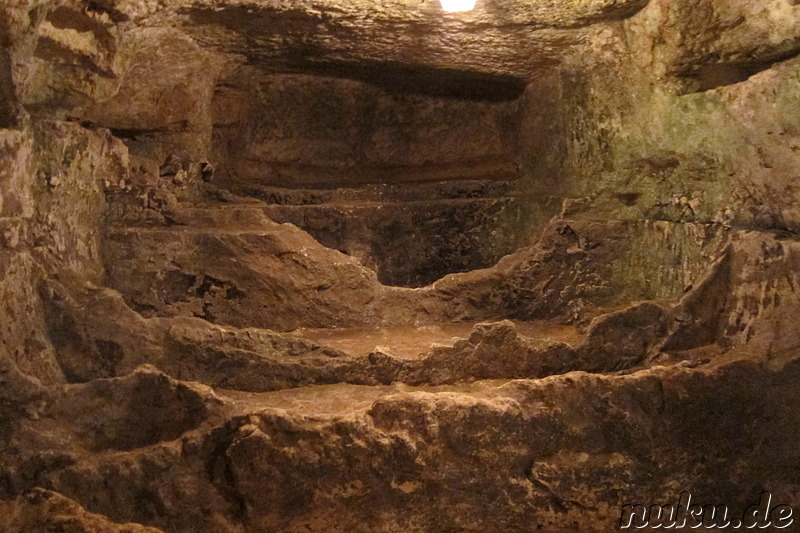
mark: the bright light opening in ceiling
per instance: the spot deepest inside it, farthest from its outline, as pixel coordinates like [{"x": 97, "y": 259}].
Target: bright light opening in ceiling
[{"x": 458, "y": 5}]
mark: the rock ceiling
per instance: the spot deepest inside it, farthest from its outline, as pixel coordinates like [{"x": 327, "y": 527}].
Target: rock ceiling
[{"x": 500, "y": 42}]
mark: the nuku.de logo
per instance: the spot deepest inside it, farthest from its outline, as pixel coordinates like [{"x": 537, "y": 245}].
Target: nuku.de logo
[{"x": 684, "y": 514}]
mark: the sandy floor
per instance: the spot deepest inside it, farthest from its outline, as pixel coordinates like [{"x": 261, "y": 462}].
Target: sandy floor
[{"x": 411, "y": 341}]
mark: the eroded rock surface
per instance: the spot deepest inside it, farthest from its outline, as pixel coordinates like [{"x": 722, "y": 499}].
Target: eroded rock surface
[
  {"x": 585, "y": 211},
  {"x": 42, "y": 510}
]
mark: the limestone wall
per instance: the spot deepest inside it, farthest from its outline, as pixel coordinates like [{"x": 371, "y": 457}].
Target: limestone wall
[{"x": 686, "y": 112}]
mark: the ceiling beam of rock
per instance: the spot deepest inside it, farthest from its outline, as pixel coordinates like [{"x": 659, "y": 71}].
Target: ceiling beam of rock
[{"x": 371, "y": 39}]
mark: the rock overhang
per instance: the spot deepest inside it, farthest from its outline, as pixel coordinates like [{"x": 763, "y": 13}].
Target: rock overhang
[{"x": 499, "y": 43}]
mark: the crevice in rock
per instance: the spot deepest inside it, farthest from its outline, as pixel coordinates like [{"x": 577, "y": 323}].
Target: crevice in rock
[
  {"x": 9, "y": 108},
  {"x": 133, "y": 133},
  {"x": 713, "y": 76},
  {"x": 408, "y": 79}
]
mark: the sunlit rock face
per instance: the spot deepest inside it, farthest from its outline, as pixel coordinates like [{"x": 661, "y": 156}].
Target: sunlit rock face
[{"x": 274, "y": 266}]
